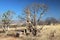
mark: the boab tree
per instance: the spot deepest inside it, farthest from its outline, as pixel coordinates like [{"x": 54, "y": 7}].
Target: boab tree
[{"x": 6, "y": 19}]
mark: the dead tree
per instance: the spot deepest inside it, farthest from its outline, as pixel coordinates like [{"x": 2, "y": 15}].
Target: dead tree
[{"x": 38, "y": 9}]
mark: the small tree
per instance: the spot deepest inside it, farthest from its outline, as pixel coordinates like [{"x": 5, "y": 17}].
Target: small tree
[{"x": 6, "y": 19}]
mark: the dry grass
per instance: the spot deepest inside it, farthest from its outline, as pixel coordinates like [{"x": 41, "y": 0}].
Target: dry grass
[{"x": 49, "y": 32}]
